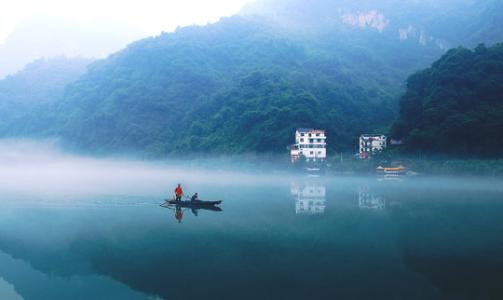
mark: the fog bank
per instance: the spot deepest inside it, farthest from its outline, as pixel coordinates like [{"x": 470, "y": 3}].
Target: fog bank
[{"x": 41, "y": 168}]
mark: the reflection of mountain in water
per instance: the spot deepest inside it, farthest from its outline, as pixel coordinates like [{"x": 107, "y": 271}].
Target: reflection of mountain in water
[
  {"x": 309, "y": 197},
  {"x": 7, "y": 291},
  {"x": 427, "y": 244},
  {"x": 369, "y": 200},
  {"x": 455, "y": 242},
  {"x": 20, "y": 280}
]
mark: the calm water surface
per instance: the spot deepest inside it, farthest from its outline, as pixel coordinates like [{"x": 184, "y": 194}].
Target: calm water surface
[{"x": 294, "y": 238}]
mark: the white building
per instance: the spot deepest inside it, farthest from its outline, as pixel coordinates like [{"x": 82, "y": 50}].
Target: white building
[
  {"x": 309, "y": 198},
  {"x": 371, "y": 143},
  {"x": 310, "y": 143}
]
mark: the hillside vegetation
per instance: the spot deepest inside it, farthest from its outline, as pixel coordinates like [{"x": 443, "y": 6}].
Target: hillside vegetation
[
  {"x": 245, "y": 83},
  {"x": 26, "y": 96},
  {"x": 235, "y": 86},
  {"x": 456, "y": 106}
]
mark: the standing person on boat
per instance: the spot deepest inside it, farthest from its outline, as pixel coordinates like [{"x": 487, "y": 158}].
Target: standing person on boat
[
  {"x": 178, "y": 193},
  {"x": 194, "y": 197}
]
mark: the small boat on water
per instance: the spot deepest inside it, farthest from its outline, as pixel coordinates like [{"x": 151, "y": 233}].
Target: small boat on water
[
  {"x": 194, "y": 208},
  {"x": 397, "y": 171},
  {"x": 195, "y": 203}
]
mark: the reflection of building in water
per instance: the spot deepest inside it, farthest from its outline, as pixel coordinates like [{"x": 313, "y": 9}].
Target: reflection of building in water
[
  {"x": 309, "y": 198},
  {"x": 366, "y": 199}
]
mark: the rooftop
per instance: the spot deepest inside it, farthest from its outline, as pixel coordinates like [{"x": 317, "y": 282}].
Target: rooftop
[
  {"x": 372, "y": 135},
  {"x": 309, "y": 130}
]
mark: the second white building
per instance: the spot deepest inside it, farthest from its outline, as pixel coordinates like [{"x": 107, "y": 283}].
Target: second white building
[{"x": 371, "y": 143}]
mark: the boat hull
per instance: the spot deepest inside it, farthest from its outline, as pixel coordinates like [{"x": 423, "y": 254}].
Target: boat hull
[{"x": 197, "y": 203}]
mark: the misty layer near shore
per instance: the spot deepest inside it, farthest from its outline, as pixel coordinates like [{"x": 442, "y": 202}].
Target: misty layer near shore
[{"x": 41, "y": 168}]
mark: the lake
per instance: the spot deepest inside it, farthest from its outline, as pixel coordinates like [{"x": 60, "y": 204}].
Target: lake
[{"x": 83, "y": 235}]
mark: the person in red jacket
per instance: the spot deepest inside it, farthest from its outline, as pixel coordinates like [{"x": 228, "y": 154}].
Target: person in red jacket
[{"x": 178, "y": 193}]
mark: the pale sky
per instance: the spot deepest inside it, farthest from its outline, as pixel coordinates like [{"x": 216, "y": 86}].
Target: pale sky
[
  {"x": 33, "y": 29},
  {"x": 150, "y": 16}
]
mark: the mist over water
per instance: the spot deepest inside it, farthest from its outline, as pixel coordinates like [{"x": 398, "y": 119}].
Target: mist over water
[
  {"x": 35, "y": 167},
  {"x": 41, "y": 167},
  {"x": 93, "y": 228}
]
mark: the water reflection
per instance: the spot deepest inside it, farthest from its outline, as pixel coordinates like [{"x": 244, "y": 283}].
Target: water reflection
[
  {"x": 180, "y": 210},
  {"x": 429, "y": 243},
  {"x": 367, "y": 199},
  {"x": 7, "y": 291},
  {"x": 310, "y": 197},
  {"x": 28, "y": 279}
]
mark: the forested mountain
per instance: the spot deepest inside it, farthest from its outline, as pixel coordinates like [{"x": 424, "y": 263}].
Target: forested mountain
[
  {"x": 26, "y": 95},
  {"x": 456, "y": 106},
  {"x": 246, "y": 82},
  {"x": 233, "y": 86}
]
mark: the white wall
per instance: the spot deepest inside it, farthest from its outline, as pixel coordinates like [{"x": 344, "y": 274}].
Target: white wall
[{"x": 312, "y": 147}]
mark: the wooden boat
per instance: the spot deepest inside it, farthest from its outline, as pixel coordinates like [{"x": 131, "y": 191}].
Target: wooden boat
[{"x": 196, "y": 203}]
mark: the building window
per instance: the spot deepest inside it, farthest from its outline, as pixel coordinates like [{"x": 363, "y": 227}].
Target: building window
[
  {"x": 311, "y": 152},
  {"x": 302, "y": 140},
  {"x": 302, "y": 134},
  {"x": 317, "y": 134}
]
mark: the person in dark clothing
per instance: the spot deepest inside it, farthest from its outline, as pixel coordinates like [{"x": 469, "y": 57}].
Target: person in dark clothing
[{"x": 194, "y": 197}]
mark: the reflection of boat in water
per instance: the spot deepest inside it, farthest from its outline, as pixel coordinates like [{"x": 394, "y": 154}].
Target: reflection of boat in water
[
  {"x": 310, "y": 198},
  {"x": 180, "y": 206},
  {"x": 390, "y": 179}
]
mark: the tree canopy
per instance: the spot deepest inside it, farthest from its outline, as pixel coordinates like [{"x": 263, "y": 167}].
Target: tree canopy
[
  {"x": 456, "y": 105},
  {"x": 244, "y": 84}
]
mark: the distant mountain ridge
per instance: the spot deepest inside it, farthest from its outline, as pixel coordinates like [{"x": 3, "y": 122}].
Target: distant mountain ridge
[
  {"x": 446, "y": 24},
  {"x": 41, "y": 36},
  {"x": 26, "y": 96},
  {"x": 246, "y": 82}
]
